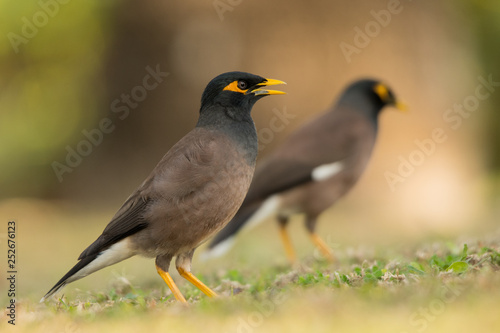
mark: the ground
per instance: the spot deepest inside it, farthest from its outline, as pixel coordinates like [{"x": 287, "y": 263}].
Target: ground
[{"x": 424, "y": 285}]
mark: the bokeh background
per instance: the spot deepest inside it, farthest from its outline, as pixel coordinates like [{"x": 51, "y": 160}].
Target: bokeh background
[{"x": 68, "y": 66}]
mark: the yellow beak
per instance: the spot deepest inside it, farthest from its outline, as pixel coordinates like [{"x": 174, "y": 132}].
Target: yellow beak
[
  {"x": 268, "y": 82},
  {"x": 401, "y": 106}
]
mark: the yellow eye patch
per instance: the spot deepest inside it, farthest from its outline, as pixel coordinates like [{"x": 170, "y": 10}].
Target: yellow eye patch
[
  {"x": 233, "y": 86},
  {"x": 381, "y": 91}
]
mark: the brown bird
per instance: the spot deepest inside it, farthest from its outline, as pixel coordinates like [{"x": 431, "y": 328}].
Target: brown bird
[
  {"x": 192, "y": 193},
  {"x": 314, "y": 167}
]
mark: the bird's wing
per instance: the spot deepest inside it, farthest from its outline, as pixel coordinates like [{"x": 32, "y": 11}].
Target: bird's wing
[
  {"x": 127, "y": 221},
  {"x": 323, "y": 142},
  {"x": 183, "y": 170}
]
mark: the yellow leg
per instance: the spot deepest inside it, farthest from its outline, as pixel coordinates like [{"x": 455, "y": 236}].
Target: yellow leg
[
  {"x": 197, "y": 283},
  {"x": 325, "y": 250},
  {"x": 171, "y": 284},
  {"x": 290, "y": 253}
]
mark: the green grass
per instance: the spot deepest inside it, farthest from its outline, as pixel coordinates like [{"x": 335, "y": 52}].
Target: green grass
[
  {"x": 436, "y": 287},
  {"x": 387, "y": 279}
]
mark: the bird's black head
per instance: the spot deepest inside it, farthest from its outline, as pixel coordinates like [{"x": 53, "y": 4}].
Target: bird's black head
[
  {"x": 237, "y": 90},
  {"x": 370, "y": 96},
  {"x": 226, "y": 105}
]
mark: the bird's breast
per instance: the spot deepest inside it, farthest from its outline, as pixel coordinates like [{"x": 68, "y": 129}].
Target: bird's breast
[{"x": 187, "y": 221}]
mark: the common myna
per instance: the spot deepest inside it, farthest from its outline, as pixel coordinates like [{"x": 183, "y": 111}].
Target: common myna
[
  {"x": 192, "y": 193},
  {"x": 314, "y": 167}
]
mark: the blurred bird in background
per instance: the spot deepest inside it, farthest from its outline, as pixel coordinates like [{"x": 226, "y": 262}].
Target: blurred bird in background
[{"x": 316, "y": 166}]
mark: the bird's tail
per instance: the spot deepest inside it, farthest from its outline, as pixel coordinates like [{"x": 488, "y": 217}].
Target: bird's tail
[
  {"x": 69, "y": 277},
  {"x": 248, "y": 216},
  {"x": 87, "y": 265}
]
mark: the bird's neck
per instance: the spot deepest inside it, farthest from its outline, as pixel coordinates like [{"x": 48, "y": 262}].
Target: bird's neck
[
  {"x": 367, "y": 107},
  {"x": 237, "y": 125}
]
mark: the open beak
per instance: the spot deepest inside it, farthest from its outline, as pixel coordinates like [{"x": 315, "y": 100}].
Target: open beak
[{"x": 268, "y": 82}]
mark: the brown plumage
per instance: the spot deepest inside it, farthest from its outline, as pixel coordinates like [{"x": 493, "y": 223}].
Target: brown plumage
[
  {"x": 314, "y": 167},
  {"x": 192, "y": 193}
]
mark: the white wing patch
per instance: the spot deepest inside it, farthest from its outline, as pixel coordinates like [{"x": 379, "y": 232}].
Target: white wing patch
[
  {"x": 267, "y": 209},
  {"x": 115, "y": 253},
  {"x": 326, "y": 171},
  {"x": 220, "y": 249}
]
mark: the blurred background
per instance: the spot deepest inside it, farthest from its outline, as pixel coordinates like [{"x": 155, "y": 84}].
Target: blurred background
[{"x": 92, "y": 94}]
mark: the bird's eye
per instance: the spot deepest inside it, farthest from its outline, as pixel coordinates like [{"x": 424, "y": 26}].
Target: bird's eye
[{"x": 243, "y": 85}]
